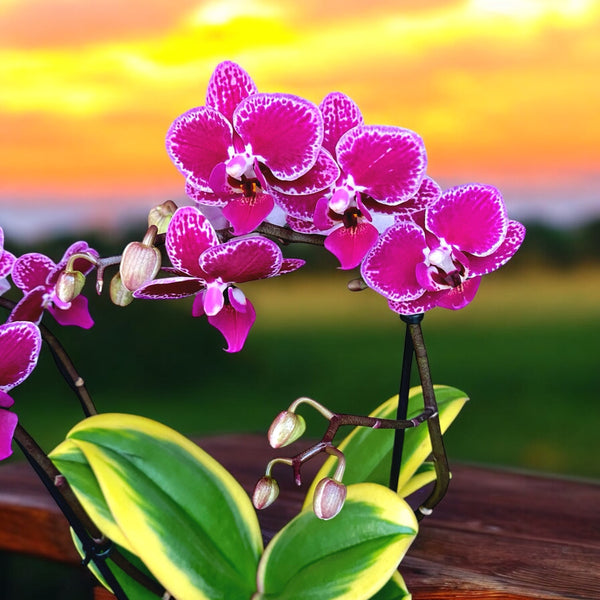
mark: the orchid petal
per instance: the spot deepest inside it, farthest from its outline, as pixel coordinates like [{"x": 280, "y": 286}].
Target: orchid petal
[
  {"x": 300, "y": 206},
  {"x": 189, "y": 234},
  {"x": 471, "y": 217},
  {"x": 515, "y": 235},
  {"x": 77, "y": 314},
  {"x": 246, "y": 213},
  {"x": 197, "y": 141},
  {"x": 458, "y": 297},
  {"x": 285, "y": 131},
  {"x": 31, "y": 270},
  {"x": 324, "y": 173},
  {"x": 389, "y": 267},
  {"x": 212, "y": 299},
  {"x": 234, "y": 325},
  {"x": 427, "y": 194},
  {"x": 242, "y": 259},
  {"x": 5, "y": 400},
  {"x": 80, "y": 264},
  {"x": 321, "y": 218},
  {"x": 20, "y": 345},
  {"x": 202, "y": 197},
  {"x": 31, "y": 306},
  {"x": 169, "y": 288},
  {"x": 350, "y": 244},
  {"x": 7, "y": 260},
  {"x": 388, "y": 162},
  {"x": 340, "y": 114},
  {"x": 302, "y": 225},
  {"x": 8, "y": 424},
  {"x": 290, "y": 264},
  {"x": 228, "y": 86}
]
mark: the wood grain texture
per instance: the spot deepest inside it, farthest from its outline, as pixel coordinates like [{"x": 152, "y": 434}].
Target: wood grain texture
[{"x": 498, "y": 534}]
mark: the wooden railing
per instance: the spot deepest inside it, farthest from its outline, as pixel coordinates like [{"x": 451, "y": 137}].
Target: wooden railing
[{"x": 498, "y": 534}]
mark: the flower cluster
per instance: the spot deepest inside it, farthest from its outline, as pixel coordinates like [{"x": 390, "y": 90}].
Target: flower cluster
[{"x": 251, "y": 157}]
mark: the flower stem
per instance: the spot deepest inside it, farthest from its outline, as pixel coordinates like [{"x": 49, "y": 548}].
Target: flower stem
[{"x": 440, "y": 459}]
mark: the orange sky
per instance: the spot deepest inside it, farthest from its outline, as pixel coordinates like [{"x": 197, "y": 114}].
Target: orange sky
[{"x": 502, "y": 91}]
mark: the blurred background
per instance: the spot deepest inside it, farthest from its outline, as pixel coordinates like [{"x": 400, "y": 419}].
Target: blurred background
[{"x": 503, "y": 92}]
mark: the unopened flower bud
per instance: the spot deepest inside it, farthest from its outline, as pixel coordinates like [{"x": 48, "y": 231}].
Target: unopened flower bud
[
  {"x": 119, "y": 294},
  {"x": 69, "y": 285},
  {"x": 265, "y": 492},
  {"x": 140, "y": 261},
  {"x": 285, "y": 429},
  {"x": 160, "y": 215},
  {"x": 329, "y": 498}
]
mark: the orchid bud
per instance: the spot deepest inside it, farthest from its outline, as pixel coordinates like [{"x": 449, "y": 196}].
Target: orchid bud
[
  {"x": 69, "y": 285},
  {"x": 140, "y": 261},
  {"x": 265, "y": 492},
  {"x": 329, "y": 498},
  {"x": 160, "y": 215},
  {"x": 285, "y": 429},
  {"x": 119, "y": 294}
]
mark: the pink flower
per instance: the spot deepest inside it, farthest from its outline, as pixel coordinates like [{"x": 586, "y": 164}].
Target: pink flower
[
  {"x": 204, "y": 267},
  {"x": 380, "y": 169},
  {"x": 6, "y": 263},
  {"x": 20, "y": 344},
  {"x": 36, "y": 275},
  {"x": 242, "y": 145},
  {"x": 465, "y": 234}
]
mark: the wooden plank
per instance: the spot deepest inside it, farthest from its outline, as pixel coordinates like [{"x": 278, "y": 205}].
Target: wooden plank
[{"x": 497, "y": 534}]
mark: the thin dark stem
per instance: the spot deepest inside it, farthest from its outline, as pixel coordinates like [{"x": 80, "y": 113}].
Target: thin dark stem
[
  {"x": 284, "y": 235},
  {"x": 402, "y": 405},
  {"x": 440, "y": 459}
]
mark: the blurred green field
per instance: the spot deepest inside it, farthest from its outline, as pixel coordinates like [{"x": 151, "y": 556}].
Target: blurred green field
[{"x": 525, "y": 351}]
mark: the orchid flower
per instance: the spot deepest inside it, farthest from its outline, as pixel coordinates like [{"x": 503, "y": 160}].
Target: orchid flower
[
  {"x": 208, "y": 269},
  {"x": 380, "y": 168},
  {"x": 465, "y": 235},
  {"x": 6, "y": 263},
  {"x": 20, "y": 344},
  {"x": 243, "y": 144},
  {"x": 37, "y": 275}
]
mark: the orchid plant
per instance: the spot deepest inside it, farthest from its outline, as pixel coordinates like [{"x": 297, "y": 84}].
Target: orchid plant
[{"x": 152, "y": 514}]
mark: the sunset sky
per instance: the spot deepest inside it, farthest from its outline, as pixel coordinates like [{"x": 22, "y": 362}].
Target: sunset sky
[{"x": 505, "y": 92}]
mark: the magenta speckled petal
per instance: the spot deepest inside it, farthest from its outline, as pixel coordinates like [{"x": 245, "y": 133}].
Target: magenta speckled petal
[
  {"x": 206, "y": 198},
  {"x": 246, "y": 214},
  {"x": 289, "y": 265},
  {"x": 389, "y": 267},
  {"x": 471, "y": 217},
  {"x": 7, "y": 260},
  {"x": 234, "y": 325},
  {"x": 77, "y": 314},
  {"x": 20, "y": 344},
  {"x": 389, "y": 162},
  {"x": 228, "y": 86},
  {"x": 515, "y": 235},
  {"x": 242, "y": 259},
  {"x": 30, "y": 307},
  {"x": 197, "y": 141},
  {"x": 285, "y": 132},
  {"x": 350, "y": 244},
  {"x": 188, "y": 236},
  {"x": 169, "y": 288},
  {"x": 340, "y": 114},
  {"x": 8, "y": 424},
  {"x": 321, "y": 176},
  {"x": 31, "y": 270},
  {"x": 300, "y": 206}
]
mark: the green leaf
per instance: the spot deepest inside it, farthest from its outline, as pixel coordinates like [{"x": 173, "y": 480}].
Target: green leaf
[
  {"x": 368, "y": 451},
  {"x": 348, "y": 557},
  {"x": 180, "y": 511},
  {"x": 394, "y": 589}
]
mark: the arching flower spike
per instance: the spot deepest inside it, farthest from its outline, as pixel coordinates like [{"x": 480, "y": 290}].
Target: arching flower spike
[{"x": 466, "y": 235}]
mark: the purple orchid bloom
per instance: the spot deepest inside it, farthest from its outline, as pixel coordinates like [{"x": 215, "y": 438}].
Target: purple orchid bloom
[
  {"x": 465, "y": 235},
  {"x": 208, "y": 269},
  {"x": 242, "y": 145},
  {"x": 36, "y": 275},
  {"x": 380, "y": 169},
  {"x": 6, "y": 264},
  {"x": 20, "y": 345}
]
